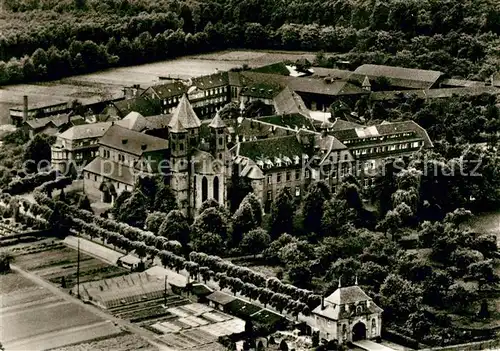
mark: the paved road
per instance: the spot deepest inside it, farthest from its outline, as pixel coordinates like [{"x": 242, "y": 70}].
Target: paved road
[
  {"x": 371, "y": 346},
  {"x": 125, "y": 325}
]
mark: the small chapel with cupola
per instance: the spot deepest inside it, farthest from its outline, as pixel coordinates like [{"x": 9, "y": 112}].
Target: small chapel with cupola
[{"x": 348, "y": 315}]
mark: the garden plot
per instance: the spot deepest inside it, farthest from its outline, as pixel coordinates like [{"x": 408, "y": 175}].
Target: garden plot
[
  {"x": 57, "y": 263},
  {"x": 195, "y": 325},
  {"x": 35, "y": 318},
  {"x": 125, "y": 342}
]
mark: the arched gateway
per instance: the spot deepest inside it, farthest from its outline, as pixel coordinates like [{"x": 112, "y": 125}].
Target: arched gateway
[
  {"x": 347, "y": 315},
  {"x": 359, "y": 331}
]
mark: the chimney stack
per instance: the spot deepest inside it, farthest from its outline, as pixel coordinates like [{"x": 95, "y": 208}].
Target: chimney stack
[
  {"x": 322, "y": 302},
  {"x": 25, "y": 108}
]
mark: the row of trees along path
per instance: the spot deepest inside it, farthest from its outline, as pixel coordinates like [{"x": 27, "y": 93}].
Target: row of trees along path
[{"x": 85, "y": 222}]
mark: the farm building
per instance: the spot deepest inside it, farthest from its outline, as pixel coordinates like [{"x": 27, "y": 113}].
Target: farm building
[
  {"x": 22, "y": 113},
  {"x": 126, "y": 289},
  {"x": 51, "y": 125}
]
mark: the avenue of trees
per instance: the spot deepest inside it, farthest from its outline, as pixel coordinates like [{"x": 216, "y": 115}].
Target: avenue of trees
[{"x": 49, "y": 39}]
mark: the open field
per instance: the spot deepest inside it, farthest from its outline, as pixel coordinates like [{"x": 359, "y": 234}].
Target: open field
[
  {"x": 108, "y": 84},
  {"x": 33, "y": 318}
]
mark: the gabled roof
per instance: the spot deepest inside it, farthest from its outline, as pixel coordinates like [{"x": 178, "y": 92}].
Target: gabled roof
[
  {"x": 211, "y": 81},
  {"x": 133, "y": 121},
  {"x": 234, "y": 78},
  {"x": 217, "y": 122},
  {"x": 270, "y": 148},
  {"x": 309, "y": 85},
  {"x": 264, "y": 90},
  {"x": 220, "y": 298},
  {"x": 184, "y": 114},
  {"x": 251, "y": 171},
  {"x": 255, "y": 128},
  {"x": 399, "y": 76},
  {"x": 57, "y": 121},
  {"x": 112, "y": 170},
  {"x": 158, "y": 121},
  {"x": 132, "y": 142},
  {"x": 86, "y": 131},
  {"x": 341, "y": 124},
  {"x": 383, "y": 129},
  {"x": 332, "y": 73},
  {"x": 287, "y": 101},
  {"x": 347, "y": 295},
  {"x": 164, "y": 91},
  {"x": 292, "y": 121},
  {"x": 434, "y": 93},
  {"x": 274, "y": 68},
  {"x": 140, "y": 104}
]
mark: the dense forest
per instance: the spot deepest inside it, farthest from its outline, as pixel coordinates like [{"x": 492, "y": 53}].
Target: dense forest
[{"x": 49, "y": 39}]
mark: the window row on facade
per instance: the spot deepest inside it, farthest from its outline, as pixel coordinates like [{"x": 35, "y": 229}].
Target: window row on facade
[
  {"x": 379, "y": 138},
  {"x": 387, "y": 148}
]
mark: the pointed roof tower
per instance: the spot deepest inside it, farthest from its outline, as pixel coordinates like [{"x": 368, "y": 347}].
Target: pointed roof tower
[
  {"x": 217, "y": 122},
  {"x": 185, "y": 115},
  {"x": 176, "y": 127},
  {"x": 366, "y": 83}
]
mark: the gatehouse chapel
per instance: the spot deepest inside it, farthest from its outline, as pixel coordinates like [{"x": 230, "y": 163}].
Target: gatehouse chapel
[{"x": 348, "y": 315}]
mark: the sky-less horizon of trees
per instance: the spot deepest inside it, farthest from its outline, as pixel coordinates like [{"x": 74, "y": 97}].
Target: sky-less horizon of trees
[{"x": 456, "y": 37}]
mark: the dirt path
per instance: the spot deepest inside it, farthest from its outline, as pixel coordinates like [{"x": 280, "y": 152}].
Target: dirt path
[{"x": 125, "y": 325}]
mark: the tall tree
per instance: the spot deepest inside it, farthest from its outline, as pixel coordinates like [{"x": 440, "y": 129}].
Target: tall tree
[
  {"x": 212, "y": 220},
  {"x": 281, "y": 216},
  {"x": 243, "y": 222},
  {"x": 37, "y": 154},
  {"x": 255, "y": 241},
  {"x": 314, "y": 204},
  {"x": 134, "y": 210},
  {"x": 175, "y": 227},
  {"x": 154, "y": 221}
]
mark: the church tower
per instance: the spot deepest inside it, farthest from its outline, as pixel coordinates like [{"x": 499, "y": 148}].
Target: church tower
[
  {"x": 184, "y": 134},
  {"x": 218, "y": 137},
  {"x": 218, "y": 148}
]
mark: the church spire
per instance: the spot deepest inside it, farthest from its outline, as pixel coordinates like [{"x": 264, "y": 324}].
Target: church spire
[
  {"x": 185, "y": 114},
  {"x": 217, "y": 122}
]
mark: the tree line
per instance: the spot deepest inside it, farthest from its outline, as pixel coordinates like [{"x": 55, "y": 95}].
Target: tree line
[
  {"x": 237, "y": 279},
  {"x": 410, "y": 34}
]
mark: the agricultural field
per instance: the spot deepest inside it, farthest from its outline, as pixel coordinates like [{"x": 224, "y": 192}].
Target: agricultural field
[
  {"x": 35, "y": 318},
  {"x": 108, "y": 84},
  {"x": 57, "y": 263}
]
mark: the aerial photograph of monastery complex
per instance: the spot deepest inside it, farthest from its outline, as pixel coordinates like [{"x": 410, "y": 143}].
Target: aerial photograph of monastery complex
[{"x": 249, "y": 175}]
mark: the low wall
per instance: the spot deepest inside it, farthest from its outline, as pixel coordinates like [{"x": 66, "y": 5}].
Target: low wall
[
  {"x": 401, "y": 339},
  {"x": 480, "y": 345}
]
